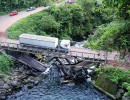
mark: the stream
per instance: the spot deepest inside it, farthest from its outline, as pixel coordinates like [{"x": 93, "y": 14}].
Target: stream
[{"x": 51, "y": 89}]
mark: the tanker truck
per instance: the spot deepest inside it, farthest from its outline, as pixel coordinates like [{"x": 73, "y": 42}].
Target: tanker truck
[{"x": 44, "y": 42}]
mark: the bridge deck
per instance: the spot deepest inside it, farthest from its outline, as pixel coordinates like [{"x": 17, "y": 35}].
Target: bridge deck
[{"x": 77, "y": 52}]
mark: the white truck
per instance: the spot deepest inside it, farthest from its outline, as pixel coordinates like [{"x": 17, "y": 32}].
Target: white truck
[{"x": 44, "y": 41}]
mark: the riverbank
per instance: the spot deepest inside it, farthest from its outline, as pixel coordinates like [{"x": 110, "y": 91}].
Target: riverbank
[
  {"x": 19, "y": 76},
  {"x": 114, "y": 82},
  {"x": 22, "y": 76}
]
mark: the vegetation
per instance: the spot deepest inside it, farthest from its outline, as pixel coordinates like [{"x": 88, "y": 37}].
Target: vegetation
[
  {"x": 113, "y": 35},
  {"x": 7, "y": 6},
  {"x": 127, "y": 86},
  {"x": 107, "y": 23},
  {"x": 119, "y": 75},
  {"x": 5, "y": 64},
  {"x": 68, "y": 21}
]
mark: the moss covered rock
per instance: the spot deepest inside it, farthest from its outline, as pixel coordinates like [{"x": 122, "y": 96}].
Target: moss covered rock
[{"x": 106, "y": 85}]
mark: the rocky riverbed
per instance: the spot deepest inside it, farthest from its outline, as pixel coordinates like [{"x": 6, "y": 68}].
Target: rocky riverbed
[
  {"x": 19, "y": 76},
  {"x": 51, "y": 89}
]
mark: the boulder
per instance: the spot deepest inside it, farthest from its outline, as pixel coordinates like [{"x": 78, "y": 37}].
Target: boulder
[
  {"x": 2, "y": 97},
  {"x": 30, "y": 85},
  {"x": 126, "y": 98},
  {"x": 14, "y": 84},
  {"x": 6, "y": 86}
]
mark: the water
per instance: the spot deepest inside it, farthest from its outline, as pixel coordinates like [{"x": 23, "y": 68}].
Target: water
[{"x": 50, "y": 89}]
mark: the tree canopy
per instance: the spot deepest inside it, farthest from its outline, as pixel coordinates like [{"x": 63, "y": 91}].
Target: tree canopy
[
  {"x": 65, "y": 22},
  {"x": 113, "y": 35},
  {"x": 8, "y": 5}
]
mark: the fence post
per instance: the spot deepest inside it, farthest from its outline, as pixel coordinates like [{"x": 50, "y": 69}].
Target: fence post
[
  {"x": 94, "y": 58},
  {"x": 17, "y": 47},
  {"x": 8, "y": 45},
  {"x": 106, "y": 57},
  {"x": 82, "y": 55},
  {"x": 70, "y": 54},
  {"x": 37, "y": 50}
]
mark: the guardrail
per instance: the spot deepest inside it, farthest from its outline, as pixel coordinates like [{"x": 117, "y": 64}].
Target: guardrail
[{"x": 50, "y": 51}]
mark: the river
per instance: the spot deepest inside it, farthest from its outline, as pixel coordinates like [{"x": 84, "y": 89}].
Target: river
[{"x": 51, "y": 89}]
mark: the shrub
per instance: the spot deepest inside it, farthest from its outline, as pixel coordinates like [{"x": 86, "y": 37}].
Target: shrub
[
  {"x": 117, "y": 75},
  {"x": 5, "y": 63},
  {"x": 127, "y": 86}
]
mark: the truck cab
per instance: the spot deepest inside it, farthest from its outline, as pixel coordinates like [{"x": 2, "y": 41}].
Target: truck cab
[{"x": 65, "y": 44}]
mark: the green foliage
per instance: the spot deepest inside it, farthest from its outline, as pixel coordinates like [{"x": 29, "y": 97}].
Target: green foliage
[
  {"x": 114, "y": 33},
  {"x": 121, "y": 7},
  {"x": 127, "y": 86},
  {"x": 65, "y": 22},
  {"x": 5, "y": 64},
  {"x": 114, "y": 36},
  {"x": 7, "y": 6},
  {"x": 117, "y": 75}
]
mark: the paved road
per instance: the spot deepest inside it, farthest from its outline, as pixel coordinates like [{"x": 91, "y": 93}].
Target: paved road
[{"x": 6, "y": 21}]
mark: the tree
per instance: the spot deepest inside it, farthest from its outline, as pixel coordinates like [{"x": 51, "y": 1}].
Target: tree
[
  {"x": 115, "y": 35},
  {"x": 122, "y": 7}
]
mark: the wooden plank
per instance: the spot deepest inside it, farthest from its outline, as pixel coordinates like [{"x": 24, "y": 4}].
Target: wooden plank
[{"x": 27, "y": 60}]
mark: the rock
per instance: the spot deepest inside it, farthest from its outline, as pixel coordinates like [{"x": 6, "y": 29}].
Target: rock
[
  {"x": 89, "y": 71},
  {"x": 14, "y": 84},
  {"x": 25, "y": 81},
  {"x": 118, "y": 95},
  {"x": 1, "y": 83},
  {"x": 5, "y": 80},
  {"x": 30, "y": 78},
  {"x": 71, "y": 84},
  {"x": 37, "y": 79},
  {"x": 21, "y": 69},
  {"x": 6, "y": 86},
  {"x": 36, "y": 82},
  {"x": 126, "y": 98},
  {"x": 121, "y": 91},
  {"x": 30, "y": 85},
  {"x": 9, "y": 90},
  {"x": 92, "y": 67},
  {"x": 32, "y": 81},
  {"x": 2, "y": 97}
]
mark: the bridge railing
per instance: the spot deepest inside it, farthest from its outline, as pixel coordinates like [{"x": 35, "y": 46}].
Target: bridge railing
[{"x": 49, "y": 51}]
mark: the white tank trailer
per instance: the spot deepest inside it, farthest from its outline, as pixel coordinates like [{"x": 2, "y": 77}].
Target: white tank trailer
[{"x": 43, "y": 41}]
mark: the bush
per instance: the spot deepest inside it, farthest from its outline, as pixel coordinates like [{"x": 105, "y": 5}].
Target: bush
[
  {"x": 64, "y": 22},
  {"x": 127, "y": 86},
  {"x": 5, "y": 63},
  {"x": 117, "y": 75}
]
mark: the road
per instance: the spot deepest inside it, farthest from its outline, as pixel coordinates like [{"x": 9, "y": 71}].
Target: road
[{"x": 6, "y": 21}]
